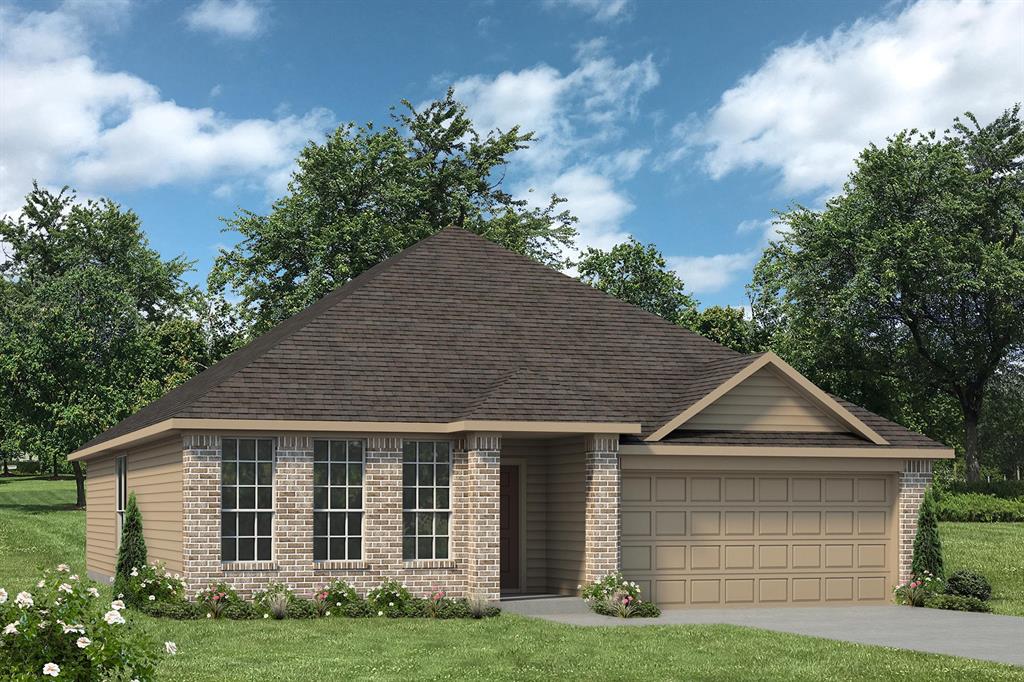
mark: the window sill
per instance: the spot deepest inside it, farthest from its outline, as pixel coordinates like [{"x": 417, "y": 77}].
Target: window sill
[
  {"x": 248, "y": 566},
  {"x": 430, "y": 563},
  {"x": 341, "y": 565}
]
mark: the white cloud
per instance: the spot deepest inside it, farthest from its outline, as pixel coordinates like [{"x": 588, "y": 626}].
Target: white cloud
[
  {"x": 600, "y": 10},
  {"x": 216, "y": 90},
  {"x": 813, "y": 106},
  {"x": 708, "y": 274},
  {"x": 230, "y": 18},
  {"x": 65, "y": 120}
]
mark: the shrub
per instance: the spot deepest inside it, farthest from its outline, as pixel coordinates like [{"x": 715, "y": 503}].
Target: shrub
[
  {"x": 65, "y": 627},
  {"x": 927, "y": 559},
  {"x": 1007, "y": 489},
  {"x": 646, "y": 609},
  {"x": 241, "y": 610},
  {"x": 153, "y": 583},
  {"x": 391, "y": 599},
  {"x": 274, "y": 600},
  {"x": 613, "y": 595},
  {"x": 217, "y": 598},
  {"x": 132, "y": 551},
  {"x": 969, "y": 584},
  {"x": 176, "y": 610},
  {"x": 359, "y": 609},
  {"x": 339, "y": 594},
  {"x": 957, "y": 602},
  {"x": 980, "y": 507},
  {"x": 917, "y": 590},
  {"x": 301, "y": 608}
]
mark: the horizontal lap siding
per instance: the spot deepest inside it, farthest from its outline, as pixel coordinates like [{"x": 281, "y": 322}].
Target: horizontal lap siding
[
  {"x": 763, "y": 402},
  {"x": 100, "y": 519},
  {"x": 154, "y": 475},
  {"x": 566, "y": 492},
  {"x": 536, "y": 500}
]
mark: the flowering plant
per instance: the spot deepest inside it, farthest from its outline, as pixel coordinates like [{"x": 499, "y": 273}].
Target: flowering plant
[
  {"x": 917, "y": 590},
  {"x": 391, "y": 599},
  {"x": 64, "y": 628},
  {"x": 613, "y": 595},
  {"x": 340, "y": 594},
  {"x": 154, "y": 583},
  {"x": 274, "y": 600},
  {"x": 217, "y": 598},
  {"x": 434, "y": 602}
]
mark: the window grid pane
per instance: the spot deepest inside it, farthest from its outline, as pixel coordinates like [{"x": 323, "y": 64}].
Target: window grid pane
[
  {"x": 247, "y": 499},
  {"x": 337, "y": 500},
  {"x": 426, "y": 476}
]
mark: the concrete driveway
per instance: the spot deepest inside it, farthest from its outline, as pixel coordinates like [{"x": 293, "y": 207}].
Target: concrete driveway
[{"x": 973, "y": 635}]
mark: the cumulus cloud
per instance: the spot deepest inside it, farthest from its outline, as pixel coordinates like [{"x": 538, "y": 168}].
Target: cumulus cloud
[
  {"x": 709, "y": 274},
  {"x": 813, "y": 105},
  {"x": 66, "y": 120},
  {"x": 599, "y": 10},
  {"x": 229, "y": 18}
]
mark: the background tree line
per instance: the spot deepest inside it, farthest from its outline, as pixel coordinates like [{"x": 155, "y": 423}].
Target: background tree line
[{"x": 904, "y": 294}]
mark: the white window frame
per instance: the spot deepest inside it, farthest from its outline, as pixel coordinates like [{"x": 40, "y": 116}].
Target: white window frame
[
  {"x": 121, "y": 493},
  {"x": 419, "y": 544},
  {"x": 234, "y": 509},
  {"x": 344, "y": 509}
]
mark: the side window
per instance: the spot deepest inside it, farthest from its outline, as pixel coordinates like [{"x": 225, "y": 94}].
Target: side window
[
  {"x": 121, "y": 476},
  {"x": 247, "y": 499},
  {"x": 337, "y": 499},
  {"x": 426, "y": 499}
]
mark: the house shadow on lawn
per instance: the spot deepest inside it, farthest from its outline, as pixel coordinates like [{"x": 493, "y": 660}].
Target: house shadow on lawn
[{"x": 23, "y": 500}]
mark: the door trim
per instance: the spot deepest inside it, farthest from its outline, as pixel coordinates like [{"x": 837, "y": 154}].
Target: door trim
[{"x": 520, "y": 462}]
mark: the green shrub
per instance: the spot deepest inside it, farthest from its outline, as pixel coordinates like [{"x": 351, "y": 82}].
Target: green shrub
[
  {"x": 613, "y": 595},
  {"x": 153, "y": 583},
  {"x": 338, "y": 594},
  {"x": 176, "y": 610},
  {"x": 391, "y": 599},
  {"x": 969, "y": 584},
  {"x": 27, "y": 467},
  {"x": 300, "y": 608},
  {"x": 957, "y": 602},
  {"x": 274, "y": 600},
  {"x": 359, "y": 609},
  {"x": 927, "y": 559},
  {"x": 66, "y": 629},
  {"x": 241, "y": 610},
  {"x": 980, "y": 507},
  {"x": 1007, "y": 489},
  {"x": 918, "y": 590},
  {"x": 131, "y": 554},
  {"x": 217, "y": 599}
]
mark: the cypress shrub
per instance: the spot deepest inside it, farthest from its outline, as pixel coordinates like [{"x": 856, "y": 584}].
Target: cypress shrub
[
  {"x": 927, "y": 545},
  {"x": 132, "y": 552}
]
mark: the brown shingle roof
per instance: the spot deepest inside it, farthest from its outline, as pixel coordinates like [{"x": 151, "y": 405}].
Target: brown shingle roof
[{"x": 457, "y": 327}]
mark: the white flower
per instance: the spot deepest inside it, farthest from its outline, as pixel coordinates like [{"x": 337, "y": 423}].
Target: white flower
[
  {"x": 113, "y": 618},
  {"x": 391, "y": 603},
  {"x": 117, "y": 605},
  {"x": 11, "y": 629},
  {"x": 83, "y": 642},
  {"x": 64, "y": 587},
  {"x": 380, "y": 613},
  {"x": 167, "y": 574},
  {"x": 73, "y": 577},
  {"x": 41, "y": 583},
  {"x": 152, "y": 597},
  {"x": 110, "y": 579},
  {"x": 120, "y": 596},
  {"x": 23, "y": 600},
  {"x": 338, "y": 604},
  {"x": 93, "y": 592},
  {"x": 63, "y": 568},
  {"x": 135, "y": 572},
  {"x": 73, "y": 628},
  {"x": 327, "y": 613},
  {"x": 176, "y": 576},
  {"x": 51, "y": 669},
  {"x": 3, "y": 596},
  {"x": 210, "y": 615},
  {"x": 171, "y": 648},
  {"x": 265, "y": 615}
]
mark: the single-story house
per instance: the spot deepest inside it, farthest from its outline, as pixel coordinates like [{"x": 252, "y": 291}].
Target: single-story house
[{"x": 461, "y": 417}]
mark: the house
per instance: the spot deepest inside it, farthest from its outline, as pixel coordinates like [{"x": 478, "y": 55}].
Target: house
[{"x": 460, "y": 417}]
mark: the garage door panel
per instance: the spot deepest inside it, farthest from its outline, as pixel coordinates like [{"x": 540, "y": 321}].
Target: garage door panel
[{"x": 710, "y": 539}]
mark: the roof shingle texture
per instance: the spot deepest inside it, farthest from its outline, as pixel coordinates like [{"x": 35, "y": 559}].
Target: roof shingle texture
[{"x": 457, "y": 327}]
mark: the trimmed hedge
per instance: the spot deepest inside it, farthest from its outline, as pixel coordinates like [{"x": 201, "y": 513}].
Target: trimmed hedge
[
  {"x": 1007, "y": 489},
  {"x": 957, "y": 602},
  {"x": 979, "y": 507},
  {"x": 969, "y": 584}
]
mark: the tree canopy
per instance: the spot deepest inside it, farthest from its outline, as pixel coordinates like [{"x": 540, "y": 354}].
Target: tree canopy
[
  {"x": 909, "y": 286},
  {"x": 364, "y": 194}
]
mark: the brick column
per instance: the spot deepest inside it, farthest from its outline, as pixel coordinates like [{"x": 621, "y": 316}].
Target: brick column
[
  {"x": 200, "y": 492},
  {"x": 482, "y": 515},
  {"x": 293, "y": 509},
  {"x": 382, "y": 504},
  {"x": 916, "y": 475},
  {"x": 602, "y": 506}
]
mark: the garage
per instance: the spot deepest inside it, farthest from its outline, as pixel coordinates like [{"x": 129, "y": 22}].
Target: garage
[{"x": 773, "y": 538}]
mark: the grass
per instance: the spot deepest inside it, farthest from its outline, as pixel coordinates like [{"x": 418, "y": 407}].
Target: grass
[
  {"x": 996, "y": 550},
  {"x": 38, "y": 527}
]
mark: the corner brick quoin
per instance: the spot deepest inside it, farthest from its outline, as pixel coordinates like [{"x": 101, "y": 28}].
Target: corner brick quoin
[{"x": 915, "y": 478}]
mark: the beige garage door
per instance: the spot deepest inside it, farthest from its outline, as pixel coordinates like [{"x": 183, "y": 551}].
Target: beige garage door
[{"x": 706, "y": 539}]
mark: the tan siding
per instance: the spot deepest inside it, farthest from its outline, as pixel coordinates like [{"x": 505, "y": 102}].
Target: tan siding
[
  {"x": 764, "y": 402},
  {"x": 154, "y": 474},
  {"x": 566, "y": 491},
  {"x": 535, "y": 499},
  {"x": 100, "y": 520}
]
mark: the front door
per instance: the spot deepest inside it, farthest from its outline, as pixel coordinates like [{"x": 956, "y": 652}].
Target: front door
[{"x": 510, "y": 527}]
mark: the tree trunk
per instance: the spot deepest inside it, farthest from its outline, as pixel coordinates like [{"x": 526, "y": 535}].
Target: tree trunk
[
  {"x": 971, "y": 451},
  {"x": 53, "y": 467},
  {"x": 7, "y": 469},
  {"x": 79, "y": 484}
]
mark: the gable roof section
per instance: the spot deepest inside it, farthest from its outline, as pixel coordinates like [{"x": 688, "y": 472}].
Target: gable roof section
[
  {"x": 828, "y": 405},
  {"x": 455, "y": 332}
]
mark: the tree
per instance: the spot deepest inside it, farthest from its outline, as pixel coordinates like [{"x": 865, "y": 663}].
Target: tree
[
  {"x": 637, "y": 273},
  {"x": 909, "y": 286},
  {"x": 1001, "y": 432},
  {"x": 94, "y": 324},
  {"x": 728, "y": 326},
  {"x": 365, "y": 194},
  {"x": 131, "y": 553},
  {"x": 927, "y": 557}
]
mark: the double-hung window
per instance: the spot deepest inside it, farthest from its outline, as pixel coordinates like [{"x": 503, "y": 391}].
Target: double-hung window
[
  {"x": 247, "y": 499},
  {"x": 426, "y": 499},
  {"x": 121, "y": 476},
  {"x": 337, "y": 499}
]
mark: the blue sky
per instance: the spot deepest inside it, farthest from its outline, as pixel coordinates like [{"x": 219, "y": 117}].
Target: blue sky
[{"x": 682, "y": 123}]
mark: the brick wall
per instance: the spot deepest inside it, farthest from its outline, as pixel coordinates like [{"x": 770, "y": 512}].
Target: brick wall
[
  {"x": 482, "y": 515},
  {"x": 603, "y": 482},
  {"x": 916, "y": 475}
]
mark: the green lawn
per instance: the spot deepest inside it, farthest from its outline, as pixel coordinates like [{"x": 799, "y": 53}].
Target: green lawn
[{"x": 38, "y": 527}]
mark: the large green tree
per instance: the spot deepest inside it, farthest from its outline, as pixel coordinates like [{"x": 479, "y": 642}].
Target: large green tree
[
  {"x": 364, "y": 194},
  {"x": 1002, "y": 421},
  {"x": 906, "y": 292},
  {"x": 94, "y": 324}
]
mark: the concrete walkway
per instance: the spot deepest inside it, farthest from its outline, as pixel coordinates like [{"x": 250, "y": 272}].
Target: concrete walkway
[{"x": 973, "y": 635}]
